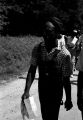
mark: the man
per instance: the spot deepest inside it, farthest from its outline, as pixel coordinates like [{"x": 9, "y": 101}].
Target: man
[
  {"x": 52, "y": 65},
  {"x": 79, "y": 67}
]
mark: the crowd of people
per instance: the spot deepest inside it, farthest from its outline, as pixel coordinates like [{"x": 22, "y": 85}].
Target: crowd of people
[{"x": 55, "y": 57}]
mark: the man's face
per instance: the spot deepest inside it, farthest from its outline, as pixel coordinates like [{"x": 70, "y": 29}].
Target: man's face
[{"x": 50, "y": 34}]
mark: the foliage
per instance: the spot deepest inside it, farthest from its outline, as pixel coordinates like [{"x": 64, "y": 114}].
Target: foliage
[
  {"x": 28, "y": 16},
  {"x": 15, "y": 53},
  {"x": 80, "y": 13}
]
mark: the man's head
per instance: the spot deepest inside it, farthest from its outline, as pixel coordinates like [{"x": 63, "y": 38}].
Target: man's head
[
  {"x": 49, "y": 30},
  {"x": 52, "y": 31}
]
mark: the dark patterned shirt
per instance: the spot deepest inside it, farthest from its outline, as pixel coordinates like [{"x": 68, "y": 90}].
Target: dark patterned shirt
[
  {"x": 52, "y": 67},
  {"x": 63, "y": 58}
]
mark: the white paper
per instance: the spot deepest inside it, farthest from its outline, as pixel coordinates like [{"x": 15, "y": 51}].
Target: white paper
[
  {"x": 74, "y": 40},
  {"x": 33, "y": 107},
  {"x": 33, "y": 104},
  {"x": 29, "y": 109}
]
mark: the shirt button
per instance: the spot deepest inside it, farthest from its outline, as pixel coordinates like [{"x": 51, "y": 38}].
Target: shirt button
[{"x": 46, "y": 74}]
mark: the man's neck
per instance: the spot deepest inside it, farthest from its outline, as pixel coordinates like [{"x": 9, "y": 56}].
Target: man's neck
[{"x": 49, "y": 48}]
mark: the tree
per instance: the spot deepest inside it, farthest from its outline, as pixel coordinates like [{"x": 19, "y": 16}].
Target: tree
[
  {"x": 80, "y": 14},
  {"x": 28, "y": 16}
]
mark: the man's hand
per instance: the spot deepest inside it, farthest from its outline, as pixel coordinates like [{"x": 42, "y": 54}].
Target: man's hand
[{"x": 25, "y": 95}]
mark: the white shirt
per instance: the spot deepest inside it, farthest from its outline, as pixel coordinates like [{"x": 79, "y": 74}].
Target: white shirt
[{"x": 61, "y": 42}]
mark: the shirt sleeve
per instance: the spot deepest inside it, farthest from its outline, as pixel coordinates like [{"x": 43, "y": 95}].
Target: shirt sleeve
[
  {"x": 34, "y": 57},
  {"x": 67, "y": 66}
]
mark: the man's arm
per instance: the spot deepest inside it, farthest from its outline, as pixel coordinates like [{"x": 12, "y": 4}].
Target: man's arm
[{"x": 31, "y": 72}]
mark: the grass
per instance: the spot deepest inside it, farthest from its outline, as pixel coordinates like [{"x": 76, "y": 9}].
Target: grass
[{"x": 15, "y": 54}]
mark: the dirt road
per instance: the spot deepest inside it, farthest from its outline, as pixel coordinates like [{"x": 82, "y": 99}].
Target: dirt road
[{"x": 10, "y": 96}]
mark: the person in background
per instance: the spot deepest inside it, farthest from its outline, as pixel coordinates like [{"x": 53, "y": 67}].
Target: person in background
[
  {"x": 52, "y": 65},
  {"x": 71, "y": 45},
  {"x": 79, "y": 67},
  {"x": 66, "y": 79},
  {"x": 79, "y": 46}
]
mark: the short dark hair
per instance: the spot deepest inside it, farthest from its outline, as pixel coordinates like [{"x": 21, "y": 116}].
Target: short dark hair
[
  {"x": 55, "y": 23},
  {"x": 49, "y": 26}
]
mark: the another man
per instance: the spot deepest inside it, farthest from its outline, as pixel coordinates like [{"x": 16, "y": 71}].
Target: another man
[
  {"x": 79, "y": 67},
  {"x": 52, "y": 65}
]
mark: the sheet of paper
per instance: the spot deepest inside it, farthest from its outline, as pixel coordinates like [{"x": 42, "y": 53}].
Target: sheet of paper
[{"x": 74, "y": 40}]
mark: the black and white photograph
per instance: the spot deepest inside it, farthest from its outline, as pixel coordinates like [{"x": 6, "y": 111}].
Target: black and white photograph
[{"x": 41, "y": 59}]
